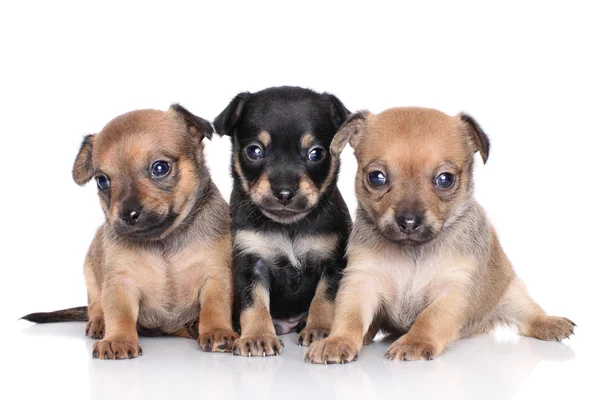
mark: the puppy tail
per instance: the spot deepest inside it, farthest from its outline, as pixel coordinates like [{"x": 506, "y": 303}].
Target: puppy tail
[{"x": 67, "y": 315}]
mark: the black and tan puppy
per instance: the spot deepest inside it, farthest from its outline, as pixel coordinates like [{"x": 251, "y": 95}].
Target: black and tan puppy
[
  {"x": 161, "y": 263},
  {"x": 289, "y": 222},
  {"x": 423, "y": 259}
]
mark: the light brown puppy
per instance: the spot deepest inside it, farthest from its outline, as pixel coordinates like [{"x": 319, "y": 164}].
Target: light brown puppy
[
  {"x": 423, "y": 259},
  {"x": 161, "y": 263}
]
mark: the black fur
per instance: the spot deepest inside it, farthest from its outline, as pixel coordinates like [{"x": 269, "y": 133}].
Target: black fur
[
  {"x": 286, "y": 113},
  {"x": 67, "y": 315}
]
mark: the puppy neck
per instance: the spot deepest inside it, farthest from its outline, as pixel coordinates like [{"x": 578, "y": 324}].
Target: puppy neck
[{"x": 465, "y": 231}]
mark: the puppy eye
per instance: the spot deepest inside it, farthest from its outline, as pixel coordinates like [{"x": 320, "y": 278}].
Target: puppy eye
[
  {"x": 255, "y": 152},
  {"x": 377, "y": 178},
  {"x": 316, "y": 154},
  {"x": 103, "y": 182},
  {"x": 159, "y": 169},
  {"x": 444, "y": 180}
]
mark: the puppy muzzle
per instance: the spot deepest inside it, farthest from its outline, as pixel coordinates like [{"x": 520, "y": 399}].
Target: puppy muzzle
[{"x": 141, "y": 225}]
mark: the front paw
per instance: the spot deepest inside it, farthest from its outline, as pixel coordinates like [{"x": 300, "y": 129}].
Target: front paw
[
  {"x": 257, "y": 345},
  {"x": 332, "y": 350},
  {"x": 219, "y": 340},
  {"x": 117, "y": 349},
  {"x": 552, "y": 328},
  {"x": 309, "y": 335},
  {"x": 408, "y": 348},
  {"x": 95, "y": 328}
]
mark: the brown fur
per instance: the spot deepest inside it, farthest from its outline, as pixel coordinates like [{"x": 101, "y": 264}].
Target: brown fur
[
  {"x": 166, "y": 283},
  {"x": 320, "y": 316},
  {"x": 265, "y": 138},
  {"x": 258, "y": 338},
  {"x": 454, "y": 283}
]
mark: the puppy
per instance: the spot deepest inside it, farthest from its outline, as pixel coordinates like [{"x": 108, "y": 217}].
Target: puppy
[
  {"x": 161, "y": 263},
  {"x": 289, "y": 222},
  {"x": 423, "y": 260}
]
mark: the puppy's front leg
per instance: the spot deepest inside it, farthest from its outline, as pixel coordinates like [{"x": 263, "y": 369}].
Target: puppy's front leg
[
  {"x": 120, "y": 302},
  {"x": 320, "y": 315},
  {"x": 355, "y": 306},
  {"x": 258, "y": 332},
  {"x": 216, "y": 298},
  {"x": 433, "y": 329}
]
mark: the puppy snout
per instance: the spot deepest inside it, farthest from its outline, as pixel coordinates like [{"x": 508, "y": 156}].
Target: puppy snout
[
  {"x": 131, "y": 215},
  {"x": 409, "y": 223},
  {"x": 284, "y": 195}
]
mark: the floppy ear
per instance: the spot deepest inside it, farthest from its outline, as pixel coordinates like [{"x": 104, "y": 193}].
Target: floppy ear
[
  {"x": 477, "y": 135},
  {"x": 83, "y": 169},
  {"x": 197, "y": 125},
  {"x": 226, "y": 121},
  {"x": 338, "y": 111},
  {"x": 349, "y": 132}
]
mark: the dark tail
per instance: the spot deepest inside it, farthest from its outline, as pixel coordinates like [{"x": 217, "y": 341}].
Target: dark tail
[{"x": 67, "y": 315}]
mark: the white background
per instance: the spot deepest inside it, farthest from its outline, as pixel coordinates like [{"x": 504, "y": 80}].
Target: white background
[{"x": 527, "y": 71}]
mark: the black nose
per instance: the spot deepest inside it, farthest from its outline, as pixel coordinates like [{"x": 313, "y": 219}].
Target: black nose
[
  {"x": 284, "y": 195},
  {"x": 131, "y": 215},
  {"x": 409, "y": 223}
]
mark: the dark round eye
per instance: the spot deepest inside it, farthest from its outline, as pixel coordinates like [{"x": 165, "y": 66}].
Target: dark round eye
[
  {"x": 255, "y": 152},
  {"x": 377, "y": 178},
  {"x": 316, "y": 154},
  {"x": 444, "y": 180},
  {"x": 159, "y": 169},
  {"x": 103, "y": 182}
]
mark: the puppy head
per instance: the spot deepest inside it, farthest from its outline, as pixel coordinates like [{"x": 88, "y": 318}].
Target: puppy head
[
  {"x": 149, "y": 170},
  {"x": 414, "y": 168},
  {"x": 281, "y": 138}
]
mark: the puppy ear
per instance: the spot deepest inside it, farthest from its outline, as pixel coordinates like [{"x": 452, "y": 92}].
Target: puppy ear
[
  {"x": 349, "y": 132},
  {"x": 83, "y": 169},
  {"x": 477, "y": 135},
  {"x": 226, "y": 121},
  {"x": 338, "y": 111},
  {"x": 197, "y": 125}
]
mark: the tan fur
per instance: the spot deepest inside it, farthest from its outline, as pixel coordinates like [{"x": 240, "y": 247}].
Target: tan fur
[
  {"x": 265, "y": 138},
  {"x": 237, "y": 167},
  {"x": 307, "y": 140},
  {"x": 258, "y": 337},
  {"x": 320, "y": 316},
  {"x": 260, "y": 189},
  {"x": 459, "y": 283},
  {"x": 176, "y": 279},
  {"x": 310, "y": 190}
]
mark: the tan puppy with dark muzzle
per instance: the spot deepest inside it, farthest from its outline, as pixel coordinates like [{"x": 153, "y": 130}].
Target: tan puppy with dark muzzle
[
  {"x": 423, "y": 260},
  {"x": 161, "y": 263}
]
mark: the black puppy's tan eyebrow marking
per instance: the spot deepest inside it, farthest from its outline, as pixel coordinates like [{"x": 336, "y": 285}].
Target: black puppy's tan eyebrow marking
[
  {"x": 307, "y": 139},
  {"x": 265, "y": 138}
]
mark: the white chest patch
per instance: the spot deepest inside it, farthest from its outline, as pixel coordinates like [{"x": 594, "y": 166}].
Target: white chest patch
[
  {"x": 413, "y": 285},
  {"x": 274, "y": 245}
]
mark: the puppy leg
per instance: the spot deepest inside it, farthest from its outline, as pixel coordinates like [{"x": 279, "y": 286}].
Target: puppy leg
[
  {"x": 519, "y": 309},
  {"x": 355, "y": 306},
  {"x": 372, "y": 332},
  {"x": 216, "y": 298},
  {"x": 94, "y": 327},
  {"x": 121, "y": 306},
  {"x": 258, "y": 332},
  {"x": 434, "y": 328},
  {"x": 320, "y": 316},
  {"x": 92, "y": 273}
]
